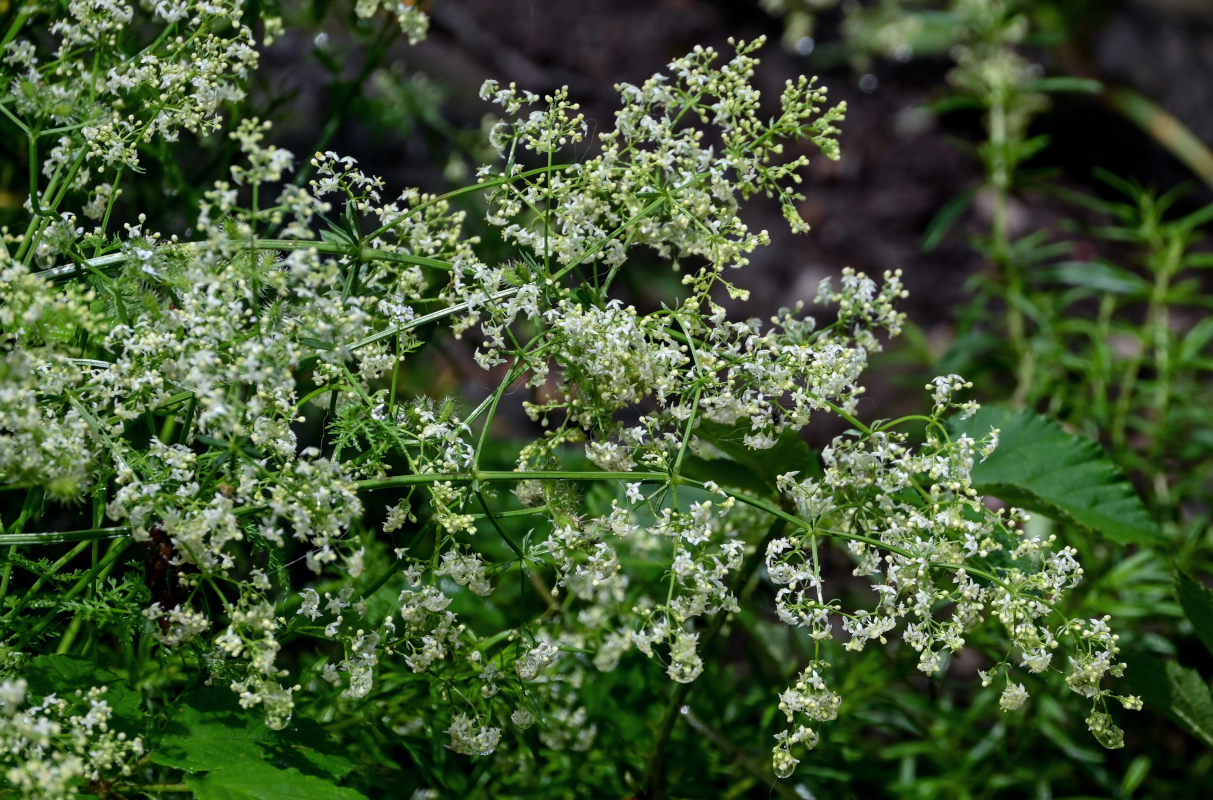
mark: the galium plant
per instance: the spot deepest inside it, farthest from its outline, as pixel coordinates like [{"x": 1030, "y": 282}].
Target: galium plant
[
  {"x": 196, "y": 436},
  {"x": 1097, "y": 321}
]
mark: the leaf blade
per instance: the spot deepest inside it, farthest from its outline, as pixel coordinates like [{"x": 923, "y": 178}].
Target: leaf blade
[
  {"x": 1197, "y": 602},
  {"x": 1041, "y": 467}
]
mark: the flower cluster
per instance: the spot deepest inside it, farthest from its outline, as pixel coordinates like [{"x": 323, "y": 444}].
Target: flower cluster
[
  {"x": 55, "y": 746},
  {"x": 177, "y": 380},
  {"x": 110, "y": 95}
]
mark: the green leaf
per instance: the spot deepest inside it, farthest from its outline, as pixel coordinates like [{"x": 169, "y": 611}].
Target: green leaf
[
  {"x": 1135, "y": 775},
  {"x": 1195, "y": 341},
  {"x": 945, "y": 218},
  {"x": 1040, "y": 467},
  {"x": 1197, "y": 602},
  {"x": 1198, "y": 260},
  {"x": 724, "y": 472},
  {"x": 255, "y": 780},
  {"x": 1191, "y": 702},
  {"x": 969, "y": 353},
  {"x": 790, "y": 454},
  {"x": 954, "y": 102},
  {"x": 1099, "y": 276},
  {"x": 62, "y": 675},
  {"x": 337, "y": 236},
  {"x": 1201, "y": 216},
  {"x": 1169, "y": 687},
  {"x": 309, "y": 747},
  {"x": 210, "y": 731},
  {"x": 1065, "y": 83}
]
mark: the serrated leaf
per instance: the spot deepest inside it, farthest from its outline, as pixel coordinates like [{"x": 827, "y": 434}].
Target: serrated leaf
[
  {"x": 1197, "y": 602},
  {"x": 1179, "y": 692},
  {"x": 1040, "y": 467},
  {"x": 210, "y": 731},
  {"x": 1191, "y": 701},
  {"x": 260, "y": 781}
]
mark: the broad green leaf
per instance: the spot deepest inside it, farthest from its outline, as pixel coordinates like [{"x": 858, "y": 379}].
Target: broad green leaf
[
  {"x": 1191, "y": 702},
  {"x": 1179, "y": 692},
  {"x": 210, "y": 731},
  {"x": 790, "y": 454},
  {"x": 1040, "y": 467},
  {"x": 309, "y": 748},
  {"x": 1197, "y": 602},
  {"x": 255, "y": 780},
  {"x": 62, "y": 674},
  {"x": 724, "y": 472}
]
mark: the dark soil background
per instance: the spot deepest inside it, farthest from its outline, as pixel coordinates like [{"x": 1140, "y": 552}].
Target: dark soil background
[{"x": 900, "y": 164}]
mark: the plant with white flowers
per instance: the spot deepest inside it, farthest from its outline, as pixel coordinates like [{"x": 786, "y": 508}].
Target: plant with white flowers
[{"x": 202, "y": 433}]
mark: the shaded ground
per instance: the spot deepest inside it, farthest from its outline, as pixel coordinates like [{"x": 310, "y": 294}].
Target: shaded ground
[{"x": 899, "y": 165}]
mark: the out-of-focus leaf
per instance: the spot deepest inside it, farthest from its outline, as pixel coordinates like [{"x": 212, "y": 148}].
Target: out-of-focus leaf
[
  {"x": 789, "y": 454},
  {"x": 1065, "y": 83},
  {"x": 1191, "y": 701},
  {"x": 256, "y": 780},
  {"x": 1097, "y": 275},
  {"x": 1197, "y": 602},
  {"x": 724, "y": 472},
  {"x": 944, "y": 219},
  {"x": 63, "y": 674},
  {"x": 1195, "y": 341}
]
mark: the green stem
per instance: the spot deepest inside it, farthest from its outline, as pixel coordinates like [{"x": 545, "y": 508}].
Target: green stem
[
  {"x": 1158, "y": 322},
  {"x": 18, "y": 22},
  {"x": 29, "y": 593},
  {"x": 8, "y": 572},
  {"x": 155, "y": 787},
  {"x": 654, "y": 775},
  {"x": 1000, "y": 240},
  {"x": 98, "y": 573},
  {"x": 493, "y": 184},
  {"x": 847, "y": 416},
  {"x": 493, "y": 476},
  {"x": 740, "y": 756}
]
